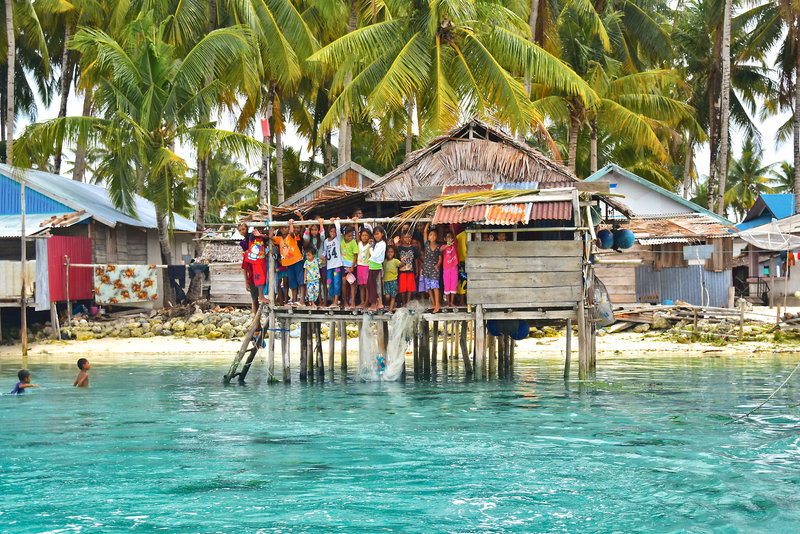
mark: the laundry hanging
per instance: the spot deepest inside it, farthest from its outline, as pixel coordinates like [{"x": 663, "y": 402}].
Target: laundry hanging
[{"x": 121, "y": 284}]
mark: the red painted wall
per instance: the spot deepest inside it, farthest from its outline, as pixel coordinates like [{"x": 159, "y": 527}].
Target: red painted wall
[{"x": 79, "y": 250}]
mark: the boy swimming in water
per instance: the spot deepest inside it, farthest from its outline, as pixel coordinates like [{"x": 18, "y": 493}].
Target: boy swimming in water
[
  {"x": 24, "y": 382},
  {"x": 83, "y": 377}
]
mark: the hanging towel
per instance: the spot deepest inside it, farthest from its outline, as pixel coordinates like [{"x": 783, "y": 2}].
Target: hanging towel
[
  {"x": 198, "y": 268},
  {"x": 177, "y": 274},
  {"x": 120, "y": 284}
]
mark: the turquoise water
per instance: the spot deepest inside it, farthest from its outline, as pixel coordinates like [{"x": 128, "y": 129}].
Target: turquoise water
[{"x": 162, "y": 446}]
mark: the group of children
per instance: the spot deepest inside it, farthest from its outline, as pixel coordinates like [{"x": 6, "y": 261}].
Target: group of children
[
  {"x": 24, "y": 376},
  {"x": 351, "y": 266}
]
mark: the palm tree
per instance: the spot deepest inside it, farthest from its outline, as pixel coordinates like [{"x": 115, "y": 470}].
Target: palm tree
[
  {"x": 150, "y": 101},
  {"x": 452, "y": 60},
  {"x": 749, "y": 177},
  {"x": 22, "y": 19},
  {"x": 718, "y": 202},
  {"x": 783, "y": 177}
]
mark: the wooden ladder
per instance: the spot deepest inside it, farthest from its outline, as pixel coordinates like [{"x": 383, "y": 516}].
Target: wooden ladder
[{"x": 250, "y": 345}]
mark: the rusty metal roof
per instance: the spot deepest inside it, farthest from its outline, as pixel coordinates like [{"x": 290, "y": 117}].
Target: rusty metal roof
[
  {"x": 508, "y": 214},
  {"x": 459, "y": 214},
  {"x": 560, "y": 210},
  {"x": 671, "y": 229}
]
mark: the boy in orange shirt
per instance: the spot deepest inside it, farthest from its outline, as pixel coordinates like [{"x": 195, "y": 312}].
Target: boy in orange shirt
[{"x": 291, "y": 259}]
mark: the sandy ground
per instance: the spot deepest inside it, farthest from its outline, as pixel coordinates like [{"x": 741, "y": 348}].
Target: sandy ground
[{"x": 610, "y": 346}]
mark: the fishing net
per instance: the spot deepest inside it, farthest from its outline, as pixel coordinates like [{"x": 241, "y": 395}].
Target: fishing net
[
  {"x": 368, "y": 351},
  {"x": 401, "y": 330}
]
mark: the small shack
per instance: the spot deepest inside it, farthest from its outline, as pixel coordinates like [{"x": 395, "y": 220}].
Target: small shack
[
  {"x": 79, "y": 220},
  {"x": 349, "y": 177}
]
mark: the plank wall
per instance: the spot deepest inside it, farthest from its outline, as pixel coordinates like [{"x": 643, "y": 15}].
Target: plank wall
[
  {"x": 524, "y": 273},
  {"x": 227, "y": 285}
]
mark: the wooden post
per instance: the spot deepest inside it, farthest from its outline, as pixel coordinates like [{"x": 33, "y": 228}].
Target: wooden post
[
  {"x": 741, "y": 319},
  {"x": 343, "y": 347},
  {"x": 66, "y": 283},
  {"x": 480, "y": 341},
  {"x": 1, "y": 324},
  {"x": 272, "y": 327},
  {"x": 415, "y": 344},
  {"x": 435, "y": 346},
  {"x": 425, "y": 349},
  {"x": 287, "y": 361},
  {"x": 23, "y": 304},
  {"x": 303, "y": 351},
  {"x": 592, "y": 348},
  {"x": 331, "y": 345},
  {"x": 771, "y": 281},
  {"x": 583, "y": 363},
  {"x": 568, "y": 350},
  {"x": 492, "y": 342},
  {"x": 695, "y": 321},
  {"x": 465, "y": 348},
  {"x": 54, "y": 326},
  {"x": 445, "y": 341},
  {"x": 320, "y": 356},
  {"x": 731, "y": 296},
  {"x": 512, "y": 344},
  {"x": 501, "y": 356}
]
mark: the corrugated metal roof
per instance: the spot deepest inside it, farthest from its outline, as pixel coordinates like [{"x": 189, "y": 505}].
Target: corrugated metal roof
[
  {"x": 10, "y": 224},
  {"x": 559, "y": 210},
  {"x": 532, "y": 185},
  {"x": 458, "y": 189},
  {"x": 94, "y": 199},
  {"x": 508, "y": 214},
  {"x": 35, "y": 202},
  {"x": 459, "y": 214},
  {"x": 662, "y": 240}
]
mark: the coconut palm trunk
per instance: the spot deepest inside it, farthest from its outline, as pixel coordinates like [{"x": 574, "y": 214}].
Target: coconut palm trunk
[
  {"x": 264, "y": 190},
  {"x": 345, "y": 130},
  {"x": 687, "y": 167},
  {"x": 279, "y": 166},
  {"x": 593, "y": 146},
  {"x": 409, "y": 133},
  {"x": 327, "y": 156},
  {"x": 79, "y": 169},
  {"x": 574, "y": 130},
  {"x": 201, "y": 190},
  {"x": 66, "y": 82},
  {"x": 724, "y": 112},
  {"x": 12, "y": 61},
  {"x": 796, "y": 128}
]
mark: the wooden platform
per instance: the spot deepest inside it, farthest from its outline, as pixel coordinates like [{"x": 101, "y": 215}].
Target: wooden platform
[{"x": 305, "y": 313}]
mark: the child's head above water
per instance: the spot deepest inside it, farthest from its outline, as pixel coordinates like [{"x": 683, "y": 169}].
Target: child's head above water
[
  {"x": 24, "y": 376},
  {"x": 83, "y": 364}
]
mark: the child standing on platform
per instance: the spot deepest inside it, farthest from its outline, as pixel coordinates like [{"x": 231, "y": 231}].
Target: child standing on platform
[
  {"x": 409, "y": 258},
  {"x": 312, "y": 275},
  {"x": 313, "y": 237},
  {"x": 349, "y": 254},
  {"x": 390, "y": 274},
  {"x": 376, "y": 257},
  {"x": 362, "y": 265},
  {"x": 431, "y": 267},
  {"x": 333, "y": 261},
  {"x": 450, "y": 268}
]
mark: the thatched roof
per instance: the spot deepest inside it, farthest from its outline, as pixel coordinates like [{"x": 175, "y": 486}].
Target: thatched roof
[{"x": 473, "y": 153}]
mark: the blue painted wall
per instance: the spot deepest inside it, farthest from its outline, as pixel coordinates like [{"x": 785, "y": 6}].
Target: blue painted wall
[{"x": 35, "y": 202}]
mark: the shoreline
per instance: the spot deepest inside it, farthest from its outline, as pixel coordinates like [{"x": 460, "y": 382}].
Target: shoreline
[{"x": 611, "y": 346}]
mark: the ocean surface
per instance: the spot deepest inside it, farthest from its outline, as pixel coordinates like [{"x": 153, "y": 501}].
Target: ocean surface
[{"x": 159, "y": 445}]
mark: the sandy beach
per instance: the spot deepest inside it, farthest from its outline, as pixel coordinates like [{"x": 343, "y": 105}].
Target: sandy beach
[{"x": 617, "y": 346}]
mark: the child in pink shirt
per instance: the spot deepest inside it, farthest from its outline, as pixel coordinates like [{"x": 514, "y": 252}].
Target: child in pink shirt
[{"x": 450, "y": 268}]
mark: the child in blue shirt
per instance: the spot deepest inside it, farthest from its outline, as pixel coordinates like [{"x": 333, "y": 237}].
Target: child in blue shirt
[{"x": 24, "y": 382}]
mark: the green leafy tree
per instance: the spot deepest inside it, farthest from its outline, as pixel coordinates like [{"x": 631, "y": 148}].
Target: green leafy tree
[{"x": 748, "y": 178}]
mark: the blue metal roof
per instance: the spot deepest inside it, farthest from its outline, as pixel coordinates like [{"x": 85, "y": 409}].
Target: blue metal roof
[
  {"x": 76, "y": 196},
  {"x": 771, "y": 206}
]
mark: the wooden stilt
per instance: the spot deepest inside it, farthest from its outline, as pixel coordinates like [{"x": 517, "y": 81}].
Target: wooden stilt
[
  {"x": 310, "y": 348},
  {"x": 583, "y": 349},
  {"x": 248, "y": 339},
  {"x": 425, "y": 349},
  {"x": 480, "y": 341},
  {"x": 287, "y": 361},
  {"x": 445, "y": 343},
  {"x": 272, "y": 335},
  {"x": 492, "y": 342},
  {"x": 415, "y": 344},
  {"x": 501, "y": 356},
  {"x": 592, "y": 349},
  {"x": 435, "y": 346},
  {"x": 465, "y": 348},
  {"x": 511, "y": 346},
  {"x": 303, "y": 350},
  {"x": 343, "y": 345},
  {"x": 568, "y": 349},
  {"x": 320, "y": 356},
  {"x": 331, "y": 346}
]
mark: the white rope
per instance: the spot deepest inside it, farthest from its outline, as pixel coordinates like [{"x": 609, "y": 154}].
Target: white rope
[{"x": 768, "y": 398}]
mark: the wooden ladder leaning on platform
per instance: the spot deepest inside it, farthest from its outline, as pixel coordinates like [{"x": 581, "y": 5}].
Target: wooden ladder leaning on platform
[{"x": 250, "y": 345}]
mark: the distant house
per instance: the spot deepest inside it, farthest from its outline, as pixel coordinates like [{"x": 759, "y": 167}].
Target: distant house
[
  {"x": 645, "y": 198},
  {"x": 767, "y": 207},
  {"x": 664, "y": 224},
  {"x": 349, "y": 177},
  {"x": 81, "y": 222}
]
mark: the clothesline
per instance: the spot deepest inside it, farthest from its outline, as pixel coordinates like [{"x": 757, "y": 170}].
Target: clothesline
[{"x": 93, "y": 265}]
